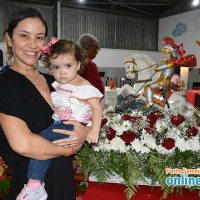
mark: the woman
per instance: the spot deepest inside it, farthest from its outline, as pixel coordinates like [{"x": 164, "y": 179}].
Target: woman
[{"x": 26, "y": 109}]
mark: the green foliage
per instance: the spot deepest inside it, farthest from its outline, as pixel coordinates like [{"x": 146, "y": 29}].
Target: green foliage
[
  {"x": 129, "y": 192},
  {"x": 81, "y": 187},
  {"x": 135, "y": 167},
  {"x": 4, "y": 185}
]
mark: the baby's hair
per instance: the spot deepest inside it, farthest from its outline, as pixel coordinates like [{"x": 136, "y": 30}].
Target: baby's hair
[{"x": 65, "y": 46}]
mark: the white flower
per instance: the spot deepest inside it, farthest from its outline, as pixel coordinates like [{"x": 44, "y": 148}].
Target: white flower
[
  {"x": 102, "y": 145},
  {"x": 136, "y": 113},
  {"x": 128, "y": 148},
  {"x": 145, "y": 150},
  {"x": 110, "y": 121},
  {"x": 97, "y": 149},
  {"x": 127, "y": 125},
  {"x": 118, "y": 116},
  {"x": 194, "y": 143},
  {"x": 174, "y": 131},
  {"x": 110, "y": 108},
  {"x": 189, "y": 113},
  {"x": 143, "y": 131},
  {"x": 119, "y": 129},
  {"x": 149, "y": 141},
  {"x": 138, "y": 147},
  {"x": 182, "y": 125},
  {"x": 99, "y": 146},
  {"x": 180, "y": 144},
  {"x": 163, "y": 150},
  {"x": 160, "y": 125},
  {"x": 116, "y": 119},
  {"x": 117, "y": 144}
]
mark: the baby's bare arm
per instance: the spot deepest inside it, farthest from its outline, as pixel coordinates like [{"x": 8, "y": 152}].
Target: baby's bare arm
[{"x": 95, "y": 106}]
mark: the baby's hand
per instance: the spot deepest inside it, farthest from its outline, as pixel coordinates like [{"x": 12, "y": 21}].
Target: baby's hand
[{"x": 92, "y": 137}]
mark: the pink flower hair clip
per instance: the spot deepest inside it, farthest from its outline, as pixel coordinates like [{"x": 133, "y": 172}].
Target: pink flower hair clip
[{"x": 46, "y": 49}]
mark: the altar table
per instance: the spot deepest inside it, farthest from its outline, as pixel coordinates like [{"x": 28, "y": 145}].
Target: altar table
[
  {"x": 111, "y": 191},
  {"x": 110, "y": 96}
]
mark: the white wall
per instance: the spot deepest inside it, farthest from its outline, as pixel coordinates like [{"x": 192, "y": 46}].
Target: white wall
[
  {"x": 188, "y": 36},
  {"x": 115, "y": 57}
]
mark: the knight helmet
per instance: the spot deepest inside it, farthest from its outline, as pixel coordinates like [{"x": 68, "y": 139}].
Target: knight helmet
[{"x": 169, "y": 45}]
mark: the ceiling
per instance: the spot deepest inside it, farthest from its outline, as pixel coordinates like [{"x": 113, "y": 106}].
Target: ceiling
[{"x": 140, "y": 8}]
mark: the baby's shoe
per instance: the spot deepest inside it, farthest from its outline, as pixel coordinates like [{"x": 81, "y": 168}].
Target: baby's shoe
[{"x": 28, "y": 194}]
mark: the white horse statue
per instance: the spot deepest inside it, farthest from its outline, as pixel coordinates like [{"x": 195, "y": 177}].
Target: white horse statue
[{"x": 140, "y": 68}]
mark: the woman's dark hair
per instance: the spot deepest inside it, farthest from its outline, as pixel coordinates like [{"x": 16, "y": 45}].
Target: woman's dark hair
[
  {"x": 17, "y": 17},
  {"x": 65, "y": 46},
  {"x": 22, "y": 14}
]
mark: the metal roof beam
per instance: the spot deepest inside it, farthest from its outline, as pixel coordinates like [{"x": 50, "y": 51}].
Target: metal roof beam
[{"x": 135, "y": 9}]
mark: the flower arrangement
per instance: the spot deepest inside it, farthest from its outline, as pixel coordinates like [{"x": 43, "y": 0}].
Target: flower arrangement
[
  {"x": 4, "y": 180},
  {"x": 138, "y": 146}
]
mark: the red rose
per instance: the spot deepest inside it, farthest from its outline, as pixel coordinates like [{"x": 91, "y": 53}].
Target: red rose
[
  {"x": 136, "y": 119},
  {"x": 128, "y": 136},
  {"x": 153, "y": 117},
  {"x": 104, "y": 121},
  {"x": 181, "y": 118},
  {"x": 150, "y": 129},
  {"x": 168, "y": 143},
  {"x": 158, "y": 114},
  {"x": 191, "y": 131},
  {"x": 127, "y": 117},
  {"x": 198, "y": 123},
  {"x": 110, "y": 133},
  {"x": 177, "y": 120}
]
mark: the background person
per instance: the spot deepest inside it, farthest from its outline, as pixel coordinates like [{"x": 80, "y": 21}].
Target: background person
[
  {"x": 26, "y": 110},
  {"x": 91, "y": 45}
]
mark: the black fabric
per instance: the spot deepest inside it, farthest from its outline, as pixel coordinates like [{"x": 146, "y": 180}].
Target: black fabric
[
  {"x": 20, "y": 98},
  {"x": 1, "y": 57}
]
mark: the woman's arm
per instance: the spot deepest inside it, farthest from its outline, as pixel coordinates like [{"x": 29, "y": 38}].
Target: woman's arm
[
  {"x": 28, "y": 144},
  {"x": 76, "y": 137}
]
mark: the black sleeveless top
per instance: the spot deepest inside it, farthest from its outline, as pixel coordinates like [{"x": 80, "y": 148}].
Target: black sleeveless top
[{"x": 21, "y": 99}]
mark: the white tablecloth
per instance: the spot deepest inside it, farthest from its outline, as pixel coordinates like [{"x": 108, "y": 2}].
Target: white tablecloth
[{"x": 110, "y": 97}]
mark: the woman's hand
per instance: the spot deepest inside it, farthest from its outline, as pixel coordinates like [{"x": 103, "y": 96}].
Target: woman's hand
[{"x": 76, "y": 137}]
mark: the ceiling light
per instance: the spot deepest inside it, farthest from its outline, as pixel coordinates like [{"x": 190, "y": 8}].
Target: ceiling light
[
  {"x": 195, "y": 2},
  {"x": 81, "y": 1}
]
